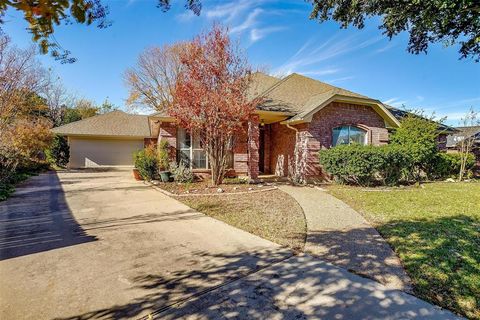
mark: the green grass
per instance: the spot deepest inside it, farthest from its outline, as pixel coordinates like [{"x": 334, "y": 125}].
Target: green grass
[
  {"x": 435, "y": 230},
  {"x": 273, "y": 215}
]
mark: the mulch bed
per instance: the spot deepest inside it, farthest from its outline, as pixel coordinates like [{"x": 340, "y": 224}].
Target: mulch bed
[{"x": 205, "y": 187}]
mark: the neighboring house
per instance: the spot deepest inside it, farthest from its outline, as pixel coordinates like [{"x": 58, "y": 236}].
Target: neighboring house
[
  {"x": 453, "y": 141},
  {"x": 299, "y": 117}
]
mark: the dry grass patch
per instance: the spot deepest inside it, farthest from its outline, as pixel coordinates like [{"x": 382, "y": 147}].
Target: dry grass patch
[{"x": 273, "y": 215}]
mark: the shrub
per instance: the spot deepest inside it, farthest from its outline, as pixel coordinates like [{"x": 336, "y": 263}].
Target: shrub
[
  {"x": 448, "y": 165},
  {"x": 146, "y": 161},
  {"x": 59, "y": 152},
  {"x": 180, "y": 172},
  {"x": 163, "y": 155},
  {"x": 365, "y": 165},
  {"x": 417, "y": 135}
]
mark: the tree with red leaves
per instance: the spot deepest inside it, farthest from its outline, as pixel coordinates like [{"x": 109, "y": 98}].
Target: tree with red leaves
[{"x": 210, "y": 96}]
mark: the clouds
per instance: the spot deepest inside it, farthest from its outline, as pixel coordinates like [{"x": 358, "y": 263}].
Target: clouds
[
  {"x": 395, "y": 102},
  {"x": 247, "y": 19},
  {"x": 309, "y": 59}
]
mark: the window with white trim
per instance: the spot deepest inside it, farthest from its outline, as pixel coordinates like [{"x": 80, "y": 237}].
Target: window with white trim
[
  {"x": 192, "y": 153},
  {"x": 190, "y": 150},
  {"x": 348, "y": 135}
]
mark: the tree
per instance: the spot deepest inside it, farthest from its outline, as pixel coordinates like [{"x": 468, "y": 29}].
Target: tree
[
  {"x": 59, "y": 151},
  {"x": 152, "y": 81},
  {"x": 210, "y": 96},
  {"x": 21, "y": 76},
  {"x": 81, "y": 109},
  {"x": 57, "y": 100},
  {"x": 418, "y": 136},
  {"x": 106, "y": 107},
  {"x": 23, "y": 129},
  {"x": 468, "y": 139},
  {"x": 427, "y": 21},
  {"x": 44, "y": 16}
]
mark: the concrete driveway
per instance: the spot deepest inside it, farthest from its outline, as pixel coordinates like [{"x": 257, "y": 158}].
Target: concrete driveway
[
  {"x": 87, "y": 245},
  {"x": 99, "y": 245}
]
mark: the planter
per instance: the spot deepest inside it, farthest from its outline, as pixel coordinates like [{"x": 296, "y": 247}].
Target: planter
[
  {"x": 136, "y": 175},
  {"x": 165, "y": 176}
]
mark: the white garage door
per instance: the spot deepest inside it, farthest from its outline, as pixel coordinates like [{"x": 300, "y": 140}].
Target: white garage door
[{"x": 87, "y": 152}]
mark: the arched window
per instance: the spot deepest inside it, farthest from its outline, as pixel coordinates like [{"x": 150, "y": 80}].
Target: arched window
[{"x": 348, "y": 135}]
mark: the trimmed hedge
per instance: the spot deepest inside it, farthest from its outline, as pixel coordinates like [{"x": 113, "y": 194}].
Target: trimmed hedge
[
  {"x": 388, "y": 165},
  {"x": 366, "y": 165}
]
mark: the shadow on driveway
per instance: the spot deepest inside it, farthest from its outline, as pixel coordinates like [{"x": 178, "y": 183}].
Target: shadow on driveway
[{"x": 37, "y": 218}]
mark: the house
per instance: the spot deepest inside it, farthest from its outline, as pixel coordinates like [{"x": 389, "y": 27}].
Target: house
[
  {"x": 299, "y": 116},
  {"x": 454, "y": 139}
]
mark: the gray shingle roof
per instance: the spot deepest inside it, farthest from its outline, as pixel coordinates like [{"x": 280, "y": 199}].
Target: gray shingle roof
[
  {"x": 454, "y": 139},
  {"x": 400, "y": 114},
  {"x": 115, "y": 123}
]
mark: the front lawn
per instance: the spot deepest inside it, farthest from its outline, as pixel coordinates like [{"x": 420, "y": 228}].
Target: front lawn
[
  {"x": 273, "y": 215},
  {"x": 435, "y": 230}
]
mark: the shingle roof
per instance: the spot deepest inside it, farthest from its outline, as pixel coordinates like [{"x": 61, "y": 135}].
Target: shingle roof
[
  {"x": 115, "y": 123},
  {"x": 400, "y": 114},
  {"x": 260, "y": 83},
  {"x": 295, "y": 92},
  {"x": 455, "y": 138}
]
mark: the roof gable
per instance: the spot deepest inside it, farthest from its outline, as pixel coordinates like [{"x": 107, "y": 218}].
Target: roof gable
[
  {"x": 295, "y": 91},
  {"x": 115, "y": 123}
]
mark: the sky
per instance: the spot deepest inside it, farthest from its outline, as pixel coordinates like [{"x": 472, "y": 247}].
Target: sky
[{"x": 278, "y": 37}]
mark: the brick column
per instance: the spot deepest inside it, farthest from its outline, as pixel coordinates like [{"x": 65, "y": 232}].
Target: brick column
[{"x": 253, "y": 145}]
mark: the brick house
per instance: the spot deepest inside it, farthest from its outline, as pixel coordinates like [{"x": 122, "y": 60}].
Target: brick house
[
  {"x": 299, "y": 117},
  {"x": 454, "y": 139}
]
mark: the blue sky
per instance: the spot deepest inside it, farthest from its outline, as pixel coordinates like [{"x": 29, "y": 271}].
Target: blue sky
[{"x": 277, "y": 36}]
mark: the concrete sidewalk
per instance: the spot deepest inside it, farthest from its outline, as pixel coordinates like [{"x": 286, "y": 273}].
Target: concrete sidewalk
[
  {"x": 338, "y": 234},
  {"x": 304, "y": 287}
]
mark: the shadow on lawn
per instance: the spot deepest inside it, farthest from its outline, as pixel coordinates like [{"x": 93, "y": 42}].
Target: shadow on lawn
[
  {"x": 295, "y": 288},
  {"x": 37, "y": 218},
  {"x": 442, "y": 256}
]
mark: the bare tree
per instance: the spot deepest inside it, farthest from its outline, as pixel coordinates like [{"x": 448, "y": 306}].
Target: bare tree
[
  {"x": 57, "y": 99},
  {"x": 468, "y": 139},
  {"x": 151, "y": 81},
  {"x": 20, "y": 75},
  {"x": 21, "y": 79}
]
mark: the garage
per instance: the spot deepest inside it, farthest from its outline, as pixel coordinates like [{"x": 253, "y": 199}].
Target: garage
[
  {"x": 87, "y": 152},
  {"x": 106, "y": 140}
]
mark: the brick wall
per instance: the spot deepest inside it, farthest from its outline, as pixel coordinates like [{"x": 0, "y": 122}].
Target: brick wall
[
  {"x": 267, "y": 146},
  {"x": 147, "y": 142},
  {"x": 442, "y": 141},
  {"x": 240, "y": 154},
  {"x": 168, "y": 132},
  {"x": 281, "y": 148},
  {"x": 317, "y": 135},
  {"x": 337, "y": 114}
]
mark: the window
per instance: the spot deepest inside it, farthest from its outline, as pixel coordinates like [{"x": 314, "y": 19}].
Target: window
[
  {"x": 192, "y": 153},
  {"x": 190, "y": 150},
  {"x": 349, "y": 135}
]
